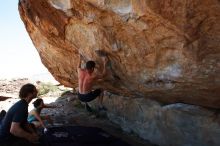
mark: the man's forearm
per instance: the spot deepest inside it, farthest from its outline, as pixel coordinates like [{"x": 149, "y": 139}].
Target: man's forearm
[
  {"x": 30, "y": 128},
  {"x": 80, "y": 60},
  {"x": 42, "y": 123},
  {"x": 19, "y": 132},
  {"x": 104, "y": 71}
]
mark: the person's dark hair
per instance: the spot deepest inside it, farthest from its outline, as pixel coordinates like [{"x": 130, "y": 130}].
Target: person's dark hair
[
  {"x": 26, "y": 90},
  {"x": 37, "y": 102},
  {"x": 90, "y": 65}
]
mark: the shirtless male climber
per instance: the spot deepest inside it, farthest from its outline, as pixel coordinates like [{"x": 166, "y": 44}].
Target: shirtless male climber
[{"x": 86, "y": 78}]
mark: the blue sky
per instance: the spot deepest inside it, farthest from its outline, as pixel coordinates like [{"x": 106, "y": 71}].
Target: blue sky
[{"x": 18, "y": 57}]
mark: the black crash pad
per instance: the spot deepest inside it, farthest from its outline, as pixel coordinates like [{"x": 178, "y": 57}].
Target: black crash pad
[{"x": 79, "y": 136}]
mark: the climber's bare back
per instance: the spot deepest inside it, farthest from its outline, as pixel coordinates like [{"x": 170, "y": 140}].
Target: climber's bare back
[{"x": 85, "y": 81}]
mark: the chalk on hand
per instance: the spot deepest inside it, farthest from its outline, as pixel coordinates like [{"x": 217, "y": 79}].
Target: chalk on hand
[{"x": 45, "y": 130}]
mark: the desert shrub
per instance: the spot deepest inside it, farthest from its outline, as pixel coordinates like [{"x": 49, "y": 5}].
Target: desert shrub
[{"x": 45, "y": 88}]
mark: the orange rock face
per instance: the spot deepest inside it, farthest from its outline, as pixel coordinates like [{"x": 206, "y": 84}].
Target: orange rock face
[{"x": 167, "y": 50}]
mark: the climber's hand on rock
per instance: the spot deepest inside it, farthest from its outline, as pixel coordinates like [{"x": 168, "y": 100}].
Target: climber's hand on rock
[
  {"x": 80, "y": 56},
  {"x": 105, "y": 60}
]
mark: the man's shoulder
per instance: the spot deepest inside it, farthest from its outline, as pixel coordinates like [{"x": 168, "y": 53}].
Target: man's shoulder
[
  {"x": 22, "y": 102},
  {"x": 81, "y": 70},
  {"x": 19, "y": 104}
]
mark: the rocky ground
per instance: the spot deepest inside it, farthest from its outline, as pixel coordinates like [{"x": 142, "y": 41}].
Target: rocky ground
[
  {"x": 70, "y": 111},
  {"x": 9, "y": 90}
]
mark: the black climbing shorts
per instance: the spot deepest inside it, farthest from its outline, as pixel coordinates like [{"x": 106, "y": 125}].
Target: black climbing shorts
[{"x": 89, "y": 96}]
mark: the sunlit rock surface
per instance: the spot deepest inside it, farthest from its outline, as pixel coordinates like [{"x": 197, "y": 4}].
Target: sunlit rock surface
[{"x": 159, "y": 49}]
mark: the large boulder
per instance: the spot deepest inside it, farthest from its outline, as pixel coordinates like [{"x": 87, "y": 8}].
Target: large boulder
[
  {"x": 165, "y": 125},
  {"x": 160, "y": 49}
]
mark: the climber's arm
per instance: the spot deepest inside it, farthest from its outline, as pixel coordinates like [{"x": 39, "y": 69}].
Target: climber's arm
[
  {"x": 104, "y": 71},
  {"x": 79, "y": 63},
  {"x": 80, "y": 60}
]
